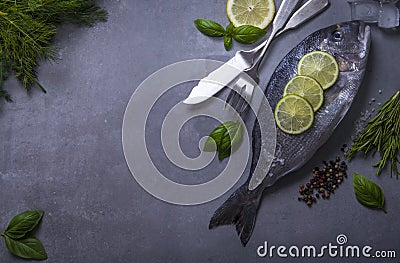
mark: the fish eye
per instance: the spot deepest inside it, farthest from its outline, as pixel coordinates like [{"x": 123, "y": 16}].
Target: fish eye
[{"x": 337, "y": 36}]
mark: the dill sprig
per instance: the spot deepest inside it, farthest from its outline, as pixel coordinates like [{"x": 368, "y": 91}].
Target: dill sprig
[
  {"x": 382, "y": 135},
  {"x": 27, "y": 28}
]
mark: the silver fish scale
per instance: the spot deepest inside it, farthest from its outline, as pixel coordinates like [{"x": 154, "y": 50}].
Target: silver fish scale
[{"x": 293, "y": 151}]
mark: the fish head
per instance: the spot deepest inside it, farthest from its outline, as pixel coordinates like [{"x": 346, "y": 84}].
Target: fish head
[{"x": 349, "y": 43}]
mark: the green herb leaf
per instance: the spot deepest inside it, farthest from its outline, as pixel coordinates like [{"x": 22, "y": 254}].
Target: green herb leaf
[
  {"x": 27, "y": 29},
  {"x": 29, "y": 248},
  {"x": 214, "y": 139},
  {"x": 23, "y": 223},
  {"x": 209, "y": 28},
  {"x": 226, "y": 138},
  {"x": 229, "y": 29},
  {"x": 4, "y": 94},
  {"x": 227, "y": 42},
  {"x": 368, "y": 193},
  {"x": 382, "y": 135},
  {"x": 210, "y": 145},
  {"x": 247, "y": 34},
  {"x": 4, "y": 73}
]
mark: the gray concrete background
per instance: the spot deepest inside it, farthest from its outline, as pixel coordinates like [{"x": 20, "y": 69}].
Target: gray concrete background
[{"x": 61, "y": 152}]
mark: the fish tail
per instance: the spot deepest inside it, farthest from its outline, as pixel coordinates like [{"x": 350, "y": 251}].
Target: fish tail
[{"x": 240, "y": 210}]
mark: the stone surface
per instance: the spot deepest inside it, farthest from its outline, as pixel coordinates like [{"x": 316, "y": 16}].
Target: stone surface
[{"x": 62, "y": 151}]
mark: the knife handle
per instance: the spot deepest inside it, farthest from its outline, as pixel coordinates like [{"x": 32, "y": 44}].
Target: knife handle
[{"x": 224, "y": 75}]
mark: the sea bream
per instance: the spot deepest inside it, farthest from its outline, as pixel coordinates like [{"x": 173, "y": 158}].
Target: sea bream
[{"x": 349, "y": 43}]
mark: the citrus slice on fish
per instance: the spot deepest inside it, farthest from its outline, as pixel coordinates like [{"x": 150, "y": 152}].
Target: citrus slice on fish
[
  {"x": 293, "y": 114},
  {"x": 257, "y": 13},
  {"x": 321, "y": 66},
  {"x": 308, "y": 88}
]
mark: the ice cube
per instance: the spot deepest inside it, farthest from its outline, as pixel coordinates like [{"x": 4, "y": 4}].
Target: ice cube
[
  {"x": 366, "y": 10},
  {"x": 388, "y": 16}
]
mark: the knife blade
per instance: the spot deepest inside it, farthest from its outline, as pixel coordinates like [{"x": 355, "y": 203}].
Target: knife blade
[{"x": 216, "y": 80}]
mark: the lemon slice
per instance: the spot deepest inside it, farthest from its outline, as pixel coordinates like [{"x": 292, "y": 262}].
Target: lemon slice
[
  {"x": 321, "y": 66},
  {"x": 257, "y": 13},
  {"x": 308, "y": 88},
  {"x": 293, "y": 114}
]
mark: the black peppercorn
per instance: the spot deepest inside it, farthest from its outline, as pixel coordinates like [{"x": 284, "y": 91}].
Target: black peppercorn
[{"x": 324, "y": 180}]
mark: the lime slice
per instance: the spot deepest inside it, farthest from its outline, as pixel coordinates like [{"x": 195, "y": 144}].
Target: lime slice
[
  {"x": 308, "y": 88},
  {"x": 293, "y": 114},
  {"x": 321, "y": 66},
  {"x": 257, "y": 13}
]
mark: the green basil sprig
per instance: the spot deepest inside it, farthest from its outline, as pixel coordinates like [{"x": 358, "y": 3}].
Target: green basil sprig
[
  {"x": 368, "y": 193},
  {"x": 228, "y": 36},
  {"x": 229, "y": 29},
  {"x": 18, "y": 238},
  {"x": 226, "y": 138},
  {"x": 209, "y": 28},
  {"x": 29, "y": 248},
  {"x": 248, "y": 34},
  {"x": 227, "y": 42},
  {"x": 23, "y": 223},
  {"x": 245, "y": 34}
]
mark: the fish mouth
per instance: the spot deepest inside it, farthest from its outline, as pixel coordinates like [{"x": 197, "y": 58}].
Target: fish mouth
[
  {"x": 364, "y": 34},
  {"x": 364, "y": 37}
]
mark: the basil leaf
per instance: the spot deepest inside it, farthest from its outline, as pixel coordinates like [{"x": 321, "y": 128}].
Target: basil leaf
[
  {"x": 226, "y": 138},
  {"x": 229, "y": 29},
  {"x": 227, "y": 42},
  {"x": 29, "y": 248},
  {"x": 247, "y": 34},
  {"x": 23, "y": 223},
  {"x": 368, "y": 193},
  {"x": 209, "y": 28},
  {"x": 213, "y": 140},
  {"x": 210, "y": 145}
]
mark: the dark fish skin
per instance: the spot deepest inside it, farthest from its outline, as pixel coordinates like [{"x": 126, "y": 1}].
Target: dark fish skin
[{"x": 349, "y": 43}]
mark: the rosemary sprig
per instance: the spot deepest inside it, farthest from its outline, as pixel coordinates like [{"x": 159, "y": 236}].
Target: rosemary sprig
[
  {"x": 382, "y": 135},
  {"x": 27, "y": 29}
]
